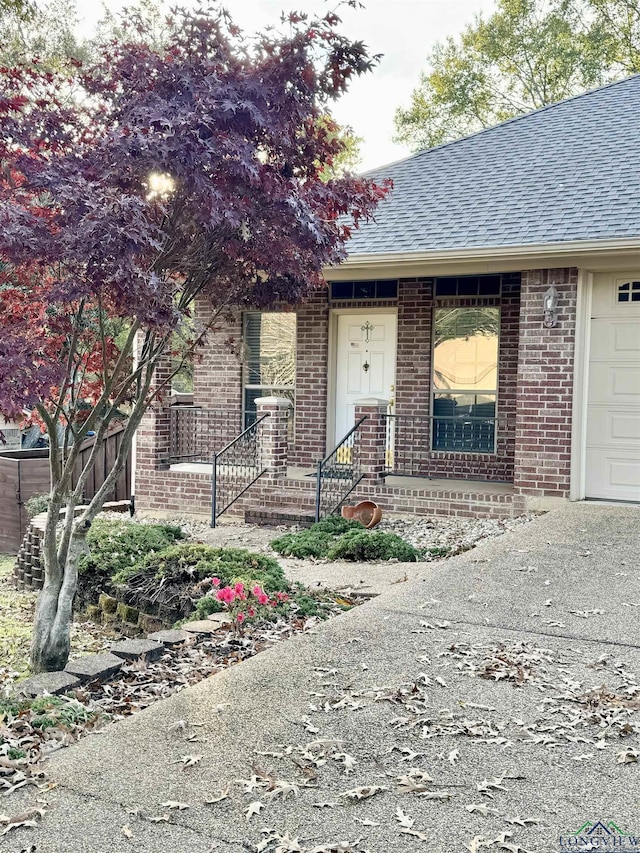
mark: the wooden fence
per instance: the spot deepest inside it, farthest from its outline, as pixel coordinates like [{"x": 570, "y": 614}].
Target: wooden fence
[{"x": 25, "y": 473}]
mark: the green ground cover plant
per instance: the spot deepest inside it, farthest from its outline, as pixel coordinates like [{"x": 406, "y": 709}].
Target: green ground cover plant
[
  {"x": 197, "y": 562},
  {"x": 365, "y": 545},
  {"x": 117, "y": 545},
  {"x": 335, "y": 538},
  {"x": 186, "y": 579}
]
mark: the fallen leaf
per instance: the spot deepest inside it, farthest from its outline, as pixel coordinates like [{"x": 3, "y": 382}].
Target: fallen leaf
[
  {"x": 174, "y": 804},
  {"x": 404, "y": 819},
  {"x": 415, "y": 833},
  {"x": 480, "y": 807},
  {"x": 363, "y": 793},
  {"x": 627, "y": 756},
  {"x": 253, "y": 808},
  {"x": 188, "y": 760}
]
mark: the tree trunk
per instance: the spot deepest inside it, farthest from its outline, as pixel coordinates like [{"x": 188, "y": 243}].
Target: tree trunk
[{"x": 54, "y": 610}]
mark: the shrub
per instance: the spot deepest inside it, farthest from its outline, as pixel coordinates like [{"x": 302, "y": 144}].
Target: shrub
[
  {"x": 335, "y": 525},
  {"x": 306, "y": 543},
  {"x": 361, "y": 545},
  {"x": 37, "y": 504},
  {"x": 338, "y": 539},
  {"x": 192, "y": 562},
  {"x": 206, "y": 605},
  {"x": 317, "y": 540},
  {"x": 115, "y": 546}
]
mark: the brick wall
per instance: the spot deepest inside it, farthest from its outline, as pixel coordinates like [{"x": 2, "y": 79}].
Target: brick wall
[
  {"x": 312, "y": 357},
  {"x": 545, "y": 386},
  {"x": 413, "y": 382},
  {"x": 217, "y": 381}
]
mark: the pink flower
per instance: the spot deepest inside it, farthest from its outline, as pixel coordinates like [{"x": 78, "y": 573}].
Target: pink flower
[
  {"x": 215, "y": 581},
  {"x": 238, "y": 588},
  {"x": 227, "y": 595},
  {"x": 257, "y": 590},
  {"x": 263, "y": 599},
  {"x": 240, "y": 617},
  {"x": 251, "y": 611}
]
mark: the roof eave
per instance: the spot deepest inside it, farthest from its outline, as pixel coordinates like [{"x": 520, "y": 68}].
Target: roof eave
[{"x": 493, "y": 253}]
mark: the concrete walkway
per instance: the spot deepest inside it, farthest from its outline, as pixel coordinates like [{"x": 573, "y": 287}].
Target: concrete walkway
[{"x": 502, "y": 687}]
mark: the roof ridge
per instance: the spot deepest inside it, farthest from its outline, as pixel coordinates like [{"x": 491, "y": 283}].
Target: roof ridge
[{"x": 493, "y": 127}]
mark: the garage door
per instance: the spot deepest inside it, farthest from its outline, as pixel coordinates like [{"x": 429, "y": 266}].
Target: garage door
[{"x": 613, "y": 403}]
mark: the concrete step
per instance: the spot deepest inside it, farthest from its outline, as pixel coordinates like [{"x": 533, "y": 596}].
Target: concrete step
[{"x": 277, "y": 515}]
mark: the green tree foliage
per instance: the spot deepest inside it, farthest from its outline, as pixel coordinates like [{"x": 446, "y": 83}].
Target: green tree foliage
[
  {"x": 348, "y": 159},
  {"x": 146, "y": 16},
  {"x": 44, "y": 33},
  {"x": 526, "y": 55},
  {"x": 20, "y": 7}
]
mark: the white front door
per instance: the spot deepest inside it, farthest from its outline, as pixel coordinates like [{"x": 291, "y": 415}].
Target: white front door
[
  {"x": 365, "y": 364},
  {"x": 613, "y": 404}
]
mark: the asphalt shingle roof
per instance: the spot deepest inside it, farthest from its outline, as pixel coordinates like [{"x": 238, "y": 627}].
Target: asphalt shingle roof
[{"x": 569, "y": 171}]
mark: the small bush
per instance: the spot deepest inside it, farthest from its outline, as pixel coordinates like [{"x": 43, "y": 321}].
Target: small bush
[
  {"x": 338, "y": 539},
  {"x": 116, "y": 546},
  {"x": 361, "y": 546},
  {"x": 335, "y": 525},
  {"x": 37, "y": 504},
  {"x": 191, "y": 562},
  {"x": 206, "y": 605},
  {"x": 317, "y": 540},
  {"x": 306, "y": 543}
]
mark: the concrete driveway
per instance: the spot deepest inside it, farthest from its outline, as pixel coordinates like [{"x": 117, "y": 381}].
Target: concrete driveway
[{"x": 492, "y": 700}]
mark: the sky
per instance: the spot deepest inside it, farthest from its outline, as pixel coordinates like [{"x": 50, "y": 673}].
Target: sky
[{"x": 404, "y": 31}]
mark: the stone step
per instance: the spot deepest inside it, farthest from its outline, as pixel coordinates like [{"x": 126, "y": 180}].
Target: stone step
[
  {"x": 46, "y": 682},
  {"x": 134, "y": 649},
  {"x": 98, "y": 667},
  {"x": 170, "y": 636}
]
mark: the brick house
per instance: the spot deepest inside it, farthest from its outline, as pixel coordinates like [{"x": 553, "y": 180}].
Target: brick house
[{"x": 486, "y": 327}]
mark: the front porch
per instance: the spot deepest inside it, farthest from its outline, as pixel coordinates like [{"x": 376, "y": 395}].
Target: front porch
[
  {"x": 474, "y": 419},
  {"x": 289, "y": 494}
]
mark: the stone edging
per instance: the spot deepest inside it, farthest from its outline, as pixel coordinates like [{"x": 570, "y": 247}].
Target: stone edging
[
  {"x": 28, "y": 572},
  {"x": 104, "y": 665}
]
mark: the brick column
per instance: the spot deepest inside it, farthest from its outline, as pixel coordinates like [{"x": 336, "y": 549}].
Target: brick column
[
  {"x": 312, "y": 358},
  {"x": 371, "y": 438},
  {"x": 545, "y": 387},
  {"x": 153, "y": 437},
  {"x": 273, "y": 437}
]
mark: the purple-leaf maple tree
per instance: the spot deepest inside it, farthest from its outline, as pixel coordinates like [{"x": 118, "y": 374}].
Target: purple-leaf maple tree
[{"x": 133, "y": 186}]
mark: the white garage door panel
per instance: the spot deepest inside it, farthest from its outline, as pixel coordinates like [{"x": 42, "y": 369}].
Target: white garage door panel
[
  {"x": 614, "y": 383},
  {"x": 613, "y": 404},
  {"x": 610, "y": 338},
  {"x": 621, "y": 474},
  {"x": 608, "y": 427}
]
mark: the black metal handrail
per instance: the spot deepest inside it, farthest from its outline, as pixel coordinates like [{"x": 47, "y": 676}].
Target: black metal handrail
[
  {"x": 338, "y": 474},
  {"x": 235, "y": 469},
  {"x": 196, "y": 433},
  {"x": 414, "y": 441}
]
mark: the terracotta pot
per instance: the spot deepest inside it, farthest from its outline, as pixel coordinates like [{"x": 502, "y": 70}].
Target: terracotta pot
[{"x": 367, "y": 513}]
